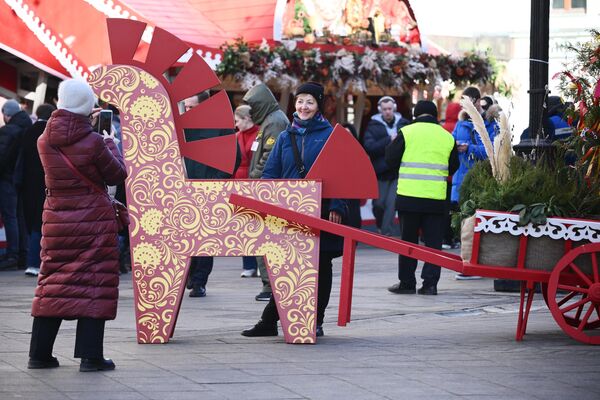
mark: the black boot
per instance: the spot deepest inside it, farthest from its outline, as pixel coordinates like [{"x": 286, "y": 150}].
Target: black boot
[
  {"x": 34, "y": 363},
  {"x": 96, "y": 364},
  {"x": 198, "y": 291},
  {"x": 261, "y": 329}
]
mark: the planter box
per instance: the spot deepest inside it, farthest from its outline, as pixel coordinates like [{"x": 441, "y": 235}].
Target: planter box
[{"x": 501, "y": 239}]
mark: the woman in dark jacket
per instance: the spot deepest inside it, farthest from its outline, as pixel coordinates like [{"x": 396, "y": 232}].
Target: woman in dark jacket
[
  {"x": 310, "y": 130},
  {"x": 33, "y": 187},
  {"x": 79, "y": 272}
]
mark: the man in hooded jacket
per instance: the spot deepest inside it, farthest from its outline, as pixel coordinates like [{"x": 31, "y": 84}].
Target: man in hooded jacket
[{"x": 265, "y": 112}]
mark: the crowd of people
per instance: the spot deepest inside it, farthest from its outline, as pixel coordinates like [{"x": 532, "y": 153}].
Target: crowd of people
[{"x": 62, "y": 229}]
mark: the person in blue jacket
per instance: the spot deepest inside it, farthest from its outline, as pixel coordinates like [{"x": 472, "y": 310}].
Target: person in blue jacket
[
  {"x": 470, "y": 147},
  {"x": 310, "y": 131},
  {"x": 556, "y": 114},
  {"x": 468, "y": 141}
]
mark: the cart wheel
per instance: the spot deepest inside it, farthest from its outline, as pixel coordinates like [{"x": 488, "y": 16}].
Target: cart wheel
[
  {"x": 574, "y": 296},
  {"x": 564, "y": 297}
]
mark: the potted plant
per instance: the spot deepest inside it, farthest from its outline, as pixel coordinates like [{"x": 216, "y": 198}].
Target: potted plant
[{"x": 523, "y": 198}]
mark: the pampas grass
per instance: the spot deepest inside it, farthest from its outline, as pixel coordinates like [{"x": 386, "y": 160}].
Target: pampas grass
[
  {"x": 500, "y": 152},
  {"x": 503, "y": 149}
]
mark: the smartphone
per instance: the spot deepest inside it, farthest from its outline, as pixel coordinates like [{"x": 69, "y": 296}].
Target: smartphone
[{"x": 105, "y": 121}]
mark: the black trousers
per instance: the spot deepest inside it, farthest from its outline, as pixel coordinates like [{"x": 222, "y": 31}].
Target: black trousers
[
  {"x": 89, "y": 339},
  {"x": 200, "y": 270},
  {"x": 270, "y": 315},
  {"x": 433, "y": 229}
]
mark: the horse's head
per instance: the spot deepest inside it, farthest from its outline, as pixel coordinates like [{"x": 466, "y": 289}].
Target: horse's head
[{"x": 149, "y": 103}]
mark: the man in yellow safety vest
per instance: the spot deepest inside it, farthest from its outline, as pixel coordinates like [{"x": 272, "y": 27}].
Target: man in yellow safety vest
[{"x": 424, "y": 155}]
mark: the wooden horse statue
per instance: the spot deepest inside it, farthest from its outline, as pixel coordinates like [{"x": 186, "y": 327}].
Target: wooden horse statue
[{"x": 174, "y": 218}]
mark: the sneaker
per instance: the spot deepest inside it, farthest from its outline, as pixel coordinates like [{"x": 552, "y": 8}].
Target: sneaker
[
  {"x": 401, "y": 288},
  {"x": 34, "y": 363},
  {"x": 261, "y": 329},
  {"x": 428, "y": 290},
  {"x": 463, "y": 277},
  {"x": 96, "y": 364},
  {"x": 198, "y": 291},
  {"x": 32, "y": 271},
  {"x": 446, "y": 246},
  {"x": 249, "y": 273},
  {"x": 263, "y": 296}
]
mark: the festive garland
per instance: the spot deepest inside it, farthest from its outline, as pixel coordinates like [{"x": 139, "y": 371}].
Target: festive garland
[
  {"x": 581, "y": 82},
  {"x": 401, "y": 70}
]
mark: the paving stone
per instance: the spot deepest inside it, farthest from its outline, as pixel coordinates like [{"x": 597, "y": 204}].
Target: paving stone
[{"x": 458, "y": 345}]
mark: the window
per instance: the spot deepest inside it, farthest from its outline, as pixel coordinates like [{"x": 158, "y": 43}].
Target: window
[{"x": 569, "y": 4}]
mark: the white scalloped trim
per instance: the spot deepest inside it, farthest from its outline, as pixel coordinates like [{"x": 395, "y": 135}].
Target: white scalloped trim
[
  {"x": 211, "y": 59},
  {"x": 49, "y": 39},
  {"x": 111, "y": 9},
  {"x": 556, "y": 228}
]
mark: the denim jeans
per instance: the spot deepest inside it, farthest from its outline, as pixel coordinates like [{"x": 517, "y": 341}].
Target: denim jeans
[
  {"x": 249, "y": 262},
  {"x": 33, "y": 252},
  {"x": 8, "y": 210},
  {"x": 384, "y": 208}
]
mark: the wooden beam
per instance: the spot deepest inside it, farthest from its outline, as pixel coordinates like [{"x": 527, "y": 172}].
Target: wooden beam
[
  {"x": 284, "y": 100},
  {"x": 359, "y": 110},
  {"x": 40, "y": 90}
]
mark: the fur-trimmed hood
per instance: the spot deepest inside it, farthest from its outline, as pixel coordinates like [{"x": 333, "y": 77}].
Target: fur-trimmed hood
[{"x": 490, "y": 115}]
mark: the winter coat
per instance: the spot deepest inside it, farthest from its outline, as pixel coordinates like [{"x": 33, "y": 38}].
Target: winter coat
[
  {"x": 79, "y": 273},
  {"x": 464, "y": 132},
  {"x": 281, "y": 164},
  {"x": 11, "y": 136},
  {"x": 245, "y": 140},
  {"x": 34, "y": 187},
  {"x": 376, "y": 138},
  {"x": 393, "y": 157},
  {"x": 562, "y": 129},
  {"x": 452, "y": 112},
  {"x": 265, "y": 112}
]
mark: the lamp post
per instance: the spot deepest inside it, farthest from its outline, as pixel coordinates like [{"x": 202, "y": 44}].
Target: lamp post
[
  {"x": 539, "y": 35},
  {"x": 538, "y": 142}
]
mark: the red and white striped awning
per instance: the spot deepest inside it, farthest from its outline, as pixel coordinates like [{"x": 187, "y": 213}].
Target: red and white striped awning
[{"x": 69, "y": 37}]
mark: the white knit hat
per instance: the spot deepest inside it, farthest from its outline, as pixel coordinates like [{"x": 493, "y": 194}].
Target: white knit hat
[{"x": 75, "y": 96}]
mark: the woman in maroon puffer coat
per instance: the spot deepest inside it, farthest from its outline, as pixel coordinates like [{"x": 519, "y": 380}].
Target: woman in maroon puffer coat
[{"x": 79, "y": 273}]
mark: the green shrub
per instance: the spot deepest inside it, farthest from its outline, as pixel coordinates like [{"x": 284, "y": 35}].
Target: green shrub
[{"x": 535, "y": 191}]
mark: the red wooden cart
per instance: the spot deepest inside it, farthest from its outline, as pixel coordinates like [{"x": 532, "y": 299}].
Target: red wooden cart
[{"x": 571, "y": 286}]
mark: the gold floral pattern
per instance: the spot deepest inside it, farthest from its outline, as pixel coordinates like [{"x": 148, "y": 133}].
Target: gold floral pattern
[
  {"x": 151, "y": 221},
  {"x": 148, "y": 80},
  {"x": 173, "y": 219},
  {"x": 275, "y": 224},
  {"x": 145, "y": 108}
]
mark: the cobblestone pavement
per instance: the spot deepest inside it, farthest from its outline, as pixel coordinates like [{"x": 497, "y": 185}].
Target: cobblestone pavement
[{"x": 459, "y": 344}]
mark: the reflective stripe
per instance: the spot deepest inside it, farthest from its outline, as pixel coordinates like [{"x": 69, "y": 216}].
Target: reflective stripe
[
  {"x": 422, "y": 177},
  {"x": 441, "y": 167}
]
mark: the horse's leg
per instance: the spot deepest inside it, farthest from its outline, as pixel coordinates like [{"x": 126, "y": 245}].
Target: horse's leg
[
  {"x": 157, "y": 297},
  {"x": 295, "y": 294}
]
